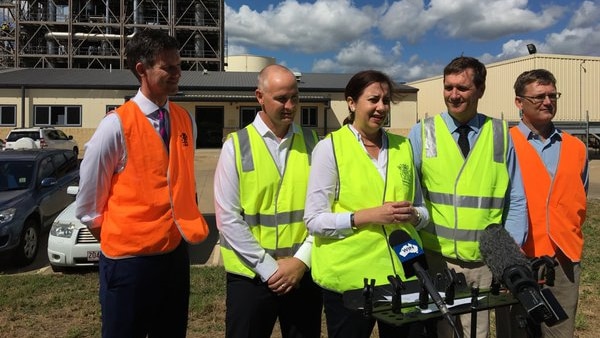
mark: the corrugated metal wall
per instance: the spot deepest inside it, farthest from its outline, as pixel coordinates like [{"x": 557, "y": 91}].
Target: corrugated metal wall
[{"x": 578, "y": 79}]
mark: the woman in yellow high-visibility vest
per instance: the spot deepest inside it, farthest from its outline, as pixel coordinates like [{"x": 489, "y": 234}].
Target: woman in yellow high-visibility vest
[{"x": 362, "y": 187}]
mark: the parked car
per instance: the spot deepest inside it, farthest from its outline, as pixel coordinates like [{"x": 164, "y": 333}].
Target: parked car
[
  {"x": 40, "y": 137},
  {"x": 2, "y": 144},
  {"x": 70, "y": 243},
  {"x": 33, "y": 191}
]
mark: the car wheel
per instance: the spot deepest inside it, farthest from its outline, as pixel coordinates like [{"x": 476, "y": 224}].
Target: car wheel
[
  {"x": 25, "y": 143},
  {"x": 28, "y": 243}
]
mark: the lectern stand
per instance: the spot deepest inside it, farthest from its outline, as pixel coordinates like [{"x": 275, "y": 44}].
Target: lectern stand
[{"x": 384, "y": 302}]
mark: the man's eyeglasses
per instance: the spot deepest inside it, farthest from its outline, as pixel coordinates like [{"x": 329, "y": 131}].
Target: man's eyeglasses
[{"x": 540, "y": 98}]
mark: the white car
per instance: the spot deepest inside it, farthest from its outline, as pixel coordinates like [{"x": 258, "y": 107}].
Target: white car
[
  {"x": 70, "y": 243},
  {"x": 40, "y": 137}
]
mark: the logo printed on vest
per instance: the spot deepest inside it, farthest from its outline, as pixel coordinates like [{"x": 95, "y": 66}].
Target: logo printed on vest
[
  {"x": 184, "y": 139},
  {"x": 405, "y": 174}
]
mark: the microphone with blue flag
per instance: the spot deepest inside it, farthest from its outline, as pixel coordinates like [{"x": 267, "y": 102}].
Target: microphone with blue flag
[{"x": 414, "y": 263}]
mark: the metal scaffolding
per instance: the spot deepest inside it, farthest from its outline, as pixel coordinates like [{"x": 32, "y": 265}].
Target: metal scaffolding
[{"x": 93, "y": 33}]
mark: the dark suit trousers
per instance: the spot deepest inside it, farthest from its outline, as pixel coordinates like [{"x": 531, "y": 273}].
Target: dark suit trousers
[
  {"x": 146, "y": 295},
  {"x": 252, "y": 309}
]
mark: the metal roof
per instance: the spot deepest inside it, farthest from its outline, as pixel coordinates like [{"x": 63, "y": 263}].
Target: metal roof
[{"x": 60, "y": 78}]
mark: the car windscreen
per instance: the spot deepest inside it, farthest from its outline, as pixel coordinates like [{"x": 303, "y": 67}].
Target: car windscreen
[{"x": 15, "y": 175}]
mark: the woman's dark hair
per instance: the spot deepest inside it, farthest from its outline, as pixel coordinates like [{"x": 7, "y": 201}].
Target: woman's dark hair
[
  {"x": 146, "y": 45},
  {"x": 361, "y": 80}
]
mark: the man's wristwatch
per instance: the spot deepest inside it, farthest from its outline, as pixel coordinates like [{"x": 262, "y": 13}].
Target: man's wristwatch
[
  {"x": 419, "y": 217},
  {"x": 352, "y": 224}
]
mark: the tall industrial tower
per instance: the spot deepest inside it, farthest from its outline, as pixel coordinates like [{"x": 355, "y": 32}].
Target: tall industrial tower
[{"x": 93, "y": 33}]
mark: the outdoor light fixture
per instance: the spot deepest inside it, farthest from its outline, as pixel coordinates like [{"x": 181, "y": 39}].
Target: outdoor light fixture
[{"x": 531, "y": 48}]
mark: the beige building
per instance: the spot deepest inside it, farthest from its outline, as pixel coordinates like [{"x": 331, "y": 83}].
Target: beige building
[
  {"x": 75, "y": 100},
  {"x": 247, "y": 63},
  {"x": 578, "y": 79}
]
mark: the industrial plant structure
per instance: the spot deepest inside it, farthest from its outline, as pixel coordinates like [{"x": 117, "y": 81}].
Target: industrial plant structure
[{"x": 92, "y": 34}]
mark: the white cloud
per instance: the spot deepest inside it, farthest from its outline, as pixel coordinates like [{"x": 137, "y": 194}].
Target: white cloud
[
  {"x": 306, "y": 27},
  {"x": 466, "y": 19},
  {"x": 360, "y": 55},
  {"x": 586, "y": 16},
  {"x": 395, "y": 36},
  {"x": 233, "y": 49},
  {"x": 407, "y": 19},
  {"x": 578, "y": 41},
  {"x": 580, "y": 37}
]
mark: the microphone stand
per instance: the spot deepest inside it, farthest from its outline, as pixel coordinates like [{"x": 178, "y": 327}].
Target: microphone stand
[
  {"x": 368, "y": 296},
  {"x": 474, "y": 305},
  {"x": 397, "y": 287}
]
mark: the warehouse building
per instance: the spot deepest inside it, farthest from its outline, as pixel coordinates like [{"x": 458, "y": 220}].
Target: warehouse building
[{"x": 578, "y": 79}]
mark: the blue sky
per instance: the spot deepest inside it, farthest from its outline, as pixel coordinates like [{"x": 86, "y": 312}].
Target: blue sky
[{"x": 407, "y": 39}]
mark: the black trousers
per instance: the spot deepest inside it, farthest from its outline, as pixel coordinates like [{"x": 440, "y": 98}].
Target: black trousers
[
  {"x": 252, "y": 309},
  {"x": 145, "y": 296},
  {"x": 346, "y": 323}
]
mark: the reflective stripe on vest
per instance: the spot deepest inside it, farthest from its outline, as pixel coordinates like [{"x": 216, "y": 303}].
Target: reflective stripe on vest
[
  {"x": 272, "y": 203},
  {"x": 247, "y": 161},
  {"x": 342, "y": 264},
  {"x": 140, "y": 223},
  {"x": 556, "y": 206},
  {"x": 463, "y": 196}
]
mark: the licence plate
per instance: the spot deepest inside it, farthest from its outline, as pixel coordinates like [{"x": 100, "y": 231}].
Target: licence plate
[{"x": 93, "y": 256}]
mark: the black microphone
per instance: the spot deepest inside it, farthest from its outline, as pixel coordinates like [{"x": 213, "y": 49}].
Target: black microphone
[
  {"x": 510, "y": 267},
  {"x": 414, "y": 263}
]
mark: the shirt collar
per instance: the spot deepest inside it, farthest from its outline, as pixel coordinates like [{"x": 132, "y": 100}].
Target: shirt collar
[
  {"x": 359, "y": 137},
  {"x": 263, "y": 130},
  {"x": 146, "y": 106},
  {"x": 524, "y": 129},
  {"x": 475, "y": 123}
]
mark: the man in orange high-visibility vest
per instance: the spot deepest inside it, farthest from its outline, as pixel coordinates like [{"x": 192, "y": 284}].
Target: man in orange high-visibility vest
[
  {"x": 554, "y": 166},
  {"x": 137, "y": 194}
]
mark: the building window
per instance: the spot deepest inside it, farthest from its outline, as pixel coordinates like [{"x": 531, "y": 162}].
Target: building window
[
  {"x": 57, "y": 116},
  {"x": 247, "y": 115},
  {"x": 309, "y": 116},
  {"x": 111, "y": 107},
  {"x": 386, "y": 123},
  {"x": 8, "y": 115}
]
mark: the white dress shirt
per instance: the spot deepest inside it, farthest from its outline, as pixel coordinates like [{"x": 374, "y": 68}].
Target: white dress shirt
[
  {"x": 228, "y": 209},
  {"x": 322, "y": 186}
]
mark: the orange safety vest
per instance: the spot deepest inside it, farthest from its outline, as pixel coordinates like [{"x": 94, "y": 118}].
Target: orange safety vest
[
  {"x": 556, "y": 207},
  {"x": 152, "y": 202}
]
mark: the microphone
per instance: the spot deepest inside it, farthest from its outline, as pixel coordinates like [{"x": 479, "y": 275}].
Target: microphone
[
  {"x": 510, "y": 267},
  {"x": 413, "y": 261}
]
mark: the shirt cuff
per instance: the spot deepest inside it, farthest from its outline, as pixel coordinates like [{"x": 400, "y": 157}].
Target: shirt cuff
[
  {"x": 303, "y": 253},
  {"x": 92, "y": 223},
  {"x": 266, "y": 268}
]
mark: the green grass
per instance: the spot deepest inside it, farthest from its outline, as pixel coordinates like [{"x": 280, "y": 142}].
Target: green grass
[{"x": 66, "y": 305}]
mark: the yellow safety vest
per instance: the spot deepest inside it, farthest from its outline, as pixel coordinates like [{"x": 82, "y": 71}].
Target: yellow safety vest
[
  {"x": 463, "y": 197},
  {"x": 272, "y": 203},
  {"x": 342, "y": 264}
]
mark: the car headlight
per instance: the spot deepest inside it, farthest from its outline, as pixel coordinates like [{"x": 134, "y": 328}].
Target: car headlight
[
  {"x": 62, "y": 229},
  {"x": 7, "y": 215}
]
